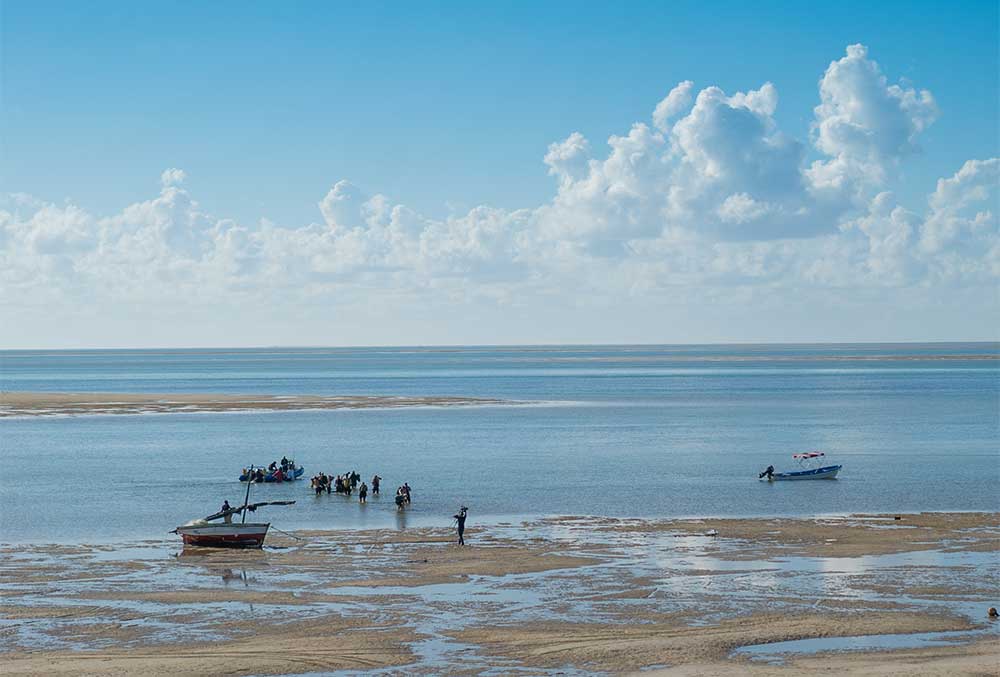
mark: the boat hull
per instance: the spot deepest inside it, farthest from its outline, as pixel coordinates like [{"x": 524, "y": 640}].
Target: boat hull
[
  {"x": 224, "y": 535},
  {"x": 826, "y": 473},
  {"x": 269, "y": 477}
]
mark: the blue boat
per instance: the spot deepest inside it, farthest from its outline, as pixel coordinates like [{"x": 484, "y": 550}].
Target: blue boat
[
  {"x": 293, "y": 473},
  {"x": 811, "y": 469}
]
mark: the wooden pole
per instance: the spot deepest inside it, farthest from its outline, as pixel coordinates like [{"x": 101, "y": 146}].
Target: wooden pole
[{"x": 246, "y": 499}]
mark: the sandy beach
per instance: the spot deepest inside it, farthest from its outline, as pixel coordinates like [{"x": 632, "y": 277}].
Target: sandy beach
[
  {"x": 575, "y": 595},
  {"x": 63, "y": 404}
]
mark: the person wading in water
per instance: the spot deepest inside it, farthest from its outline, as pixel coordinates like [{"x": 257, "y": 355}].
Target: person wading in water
[
  {"x": 460, "y": 521},
  {"x": 363, "y": 493}
]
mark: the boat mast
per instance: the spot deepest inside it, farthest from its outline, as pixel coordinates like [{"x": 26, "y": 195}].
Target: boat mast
[{"x": 246, "y": 500}]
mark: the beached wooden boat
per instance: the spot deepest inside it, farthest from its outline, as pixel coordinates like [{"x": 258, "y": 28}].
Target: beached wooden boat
[
  {"x": 236, "y": 535},
  {"x": 228, "y": 534},
  {"x": 812, "y": 469}
]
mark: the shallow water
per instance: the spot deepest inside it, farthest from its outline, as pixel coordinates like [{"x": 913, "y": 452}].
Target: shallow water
[
  {"x": 776, "y": 652},
  {"x": 641, "y": 431}
]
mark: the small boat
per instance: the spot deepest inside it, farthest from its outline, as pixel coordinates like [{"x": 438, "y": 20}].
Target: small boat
[
  {"x": 228, "y": 534},
  {"x": 236, "y": 535},
  {"x": 812, "y": 469},
  {"x": 293, "y": 473}
]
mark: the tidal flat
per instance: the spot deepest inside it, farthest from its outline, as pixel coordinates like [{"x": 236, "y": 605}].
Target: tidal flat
[{"x": 566, "y": 595}]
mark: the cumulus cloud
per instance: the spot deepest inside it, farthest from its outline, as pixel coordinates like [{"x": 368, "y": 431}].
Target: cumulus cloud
[
  {"x": 864, "y": 124},
  {"x": 960, "y": 237},
  {"x": 712, "y": 194},
  {"x": 740, "y": 208},
  {"x": 569, "y": 160},
  {"x": 341, "y": 207},
  {"x": 674, "y": 103},
  {"x": 172, "y": 177}
]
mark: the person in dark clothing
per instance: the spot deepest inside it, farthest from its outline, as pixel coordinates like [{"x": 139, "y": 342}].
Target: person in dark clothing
[
  {"x": 406, "y": 491},
  {"x": 225, "y": 506},
  {"x": 460, "y": 521},
  {"x": 375, "y": 480},
  {"x": 363, "y": 493}
]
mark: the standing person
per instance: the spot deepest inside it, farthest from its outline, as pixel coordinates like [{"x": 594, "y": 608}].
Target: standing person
[
  {"x": 363, "y": 493},
  {"x": 375, "y": 480},
  {"x": 460, "y": 521},
  {"x": 227, "y": 517},
  {"x": 406, "y": 491},
  {"x": 400, "y": 498}
]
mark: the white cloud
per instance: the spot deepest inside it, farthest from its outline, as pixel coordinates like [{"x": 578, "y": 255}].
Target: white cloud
[
  {"x": 960, "y": 237},
  {"x": 569, "y": 159},
  {"x": 864, "y": 124},
  {"x": 172, "y": 177},
  {"x": 740, "y": 208},
  {"x": 712, "y": 196},
  {"x": 672, "y": 105},
  {"x": 341, "y": 207}
]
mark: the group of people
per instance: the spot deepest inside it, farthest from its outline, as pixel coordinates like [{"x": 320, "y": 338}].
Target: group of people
[
  {"x": 345, "y": 484},
  {"x": 348, "y": 483},
  {"x": 277, "y": 471}
]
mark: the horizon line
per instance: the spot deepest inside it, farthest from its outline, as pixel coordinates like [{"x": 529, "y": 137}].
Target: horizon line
[{"x": 432, "y": 346}]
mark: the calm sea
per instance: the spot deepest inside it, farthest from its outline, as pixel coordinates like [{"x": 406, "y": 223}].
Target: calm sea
[{"x": 643, "y": 431}]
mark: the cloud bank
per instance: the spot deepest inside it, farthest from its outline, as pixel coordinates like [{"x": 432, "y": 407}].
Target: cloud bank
[{"x": 708, "y": 195}]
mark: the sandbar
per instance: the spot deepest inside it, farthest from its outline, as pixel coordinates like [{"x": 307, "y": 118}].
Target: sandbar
[{"x": 69, "y": 404}]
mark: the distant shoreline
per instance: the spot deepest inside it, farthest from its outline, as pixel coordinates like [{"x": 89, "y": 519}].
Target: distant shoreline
[
  {"x": 526, "y": 347},
  {"x": 22, "y": 404}
]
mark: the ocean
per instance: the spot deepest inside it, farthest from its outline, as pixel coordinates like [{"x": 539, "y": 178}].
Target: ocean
[{"x": 626, "y": 431}]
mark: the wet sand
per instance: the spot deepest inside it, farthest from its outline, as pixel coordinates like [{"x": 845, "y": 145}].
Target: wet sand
[
  {"x": 573, "y": 595},
  {"x": 64, "y": 404}
]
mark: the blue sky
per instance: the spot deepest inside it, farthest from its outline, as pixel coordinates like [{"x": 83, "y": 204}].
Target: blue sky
[
  {"x": 265, "y": 105},
  {"x": 444, "y": 107}
]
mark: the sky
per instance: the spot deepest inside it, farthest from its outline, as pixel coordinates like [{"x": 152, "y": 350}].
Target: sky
[{"x": 238, "y": 174}]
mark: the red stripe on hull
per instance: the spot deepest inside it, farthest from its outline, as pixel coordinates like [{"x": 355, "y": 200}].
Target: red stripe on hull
[{"x": 254, "y": 540}]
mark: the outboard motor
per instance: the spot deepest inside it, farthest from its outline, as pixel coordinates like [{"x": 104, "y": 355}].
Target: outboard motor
[{"x": 767, "y": 473}]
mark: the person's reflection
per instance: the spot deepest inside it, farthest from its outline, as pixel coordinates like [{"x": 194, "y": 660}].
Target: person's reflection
[
  {"x": 228, "y": 576},
  {"x": 401, "y": 519}
]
